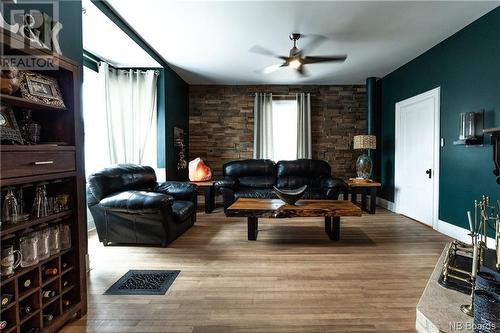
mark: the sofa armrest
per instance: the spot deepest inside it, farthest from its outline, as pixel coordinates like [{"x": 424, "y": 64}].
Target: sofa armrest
[
  {"x": 226, "y": 182},
  {"x": 178, "y": 190},
  {"x": 332, "y": 187},
  {"x": 332, "y": 182}
]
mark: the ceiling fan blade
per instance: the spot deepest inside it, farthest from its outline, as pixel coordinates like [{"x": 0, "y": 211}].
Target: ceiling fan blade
[
  {"x": 271, "y": 69},
  {"x": 314, "y": 42},
  {"x": 314, "y": 60},
  {"x": 263, "y": 51},
  {"x": 302, "y": 71}
]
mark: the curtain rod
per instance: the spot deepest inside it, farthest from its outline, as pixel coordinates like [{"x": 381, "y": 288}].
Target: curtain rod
[{"x": 140, "y": 71}]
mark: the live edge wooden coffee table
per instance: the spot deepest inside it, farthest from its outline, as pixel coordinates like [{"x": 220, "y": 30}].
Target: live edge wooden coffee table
[{"x": 331, "y": 210}]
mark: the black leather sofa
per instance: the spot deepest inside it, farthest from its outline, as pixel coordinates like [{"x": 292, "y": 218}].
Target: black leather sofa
[
  {"x": 256, "y": 178},
  {"x": 130, "y": 207}
]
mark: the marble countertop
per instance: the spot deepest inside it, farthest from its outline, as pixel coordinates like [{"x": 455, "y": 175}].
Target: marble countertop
[{"x": 439, "y": 308}]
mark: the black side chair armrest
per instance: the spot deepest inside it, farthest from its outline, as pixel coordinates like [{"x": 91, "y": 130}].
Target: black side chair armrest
[
  {"x": 178, "y": 190},
  {"x": 226, "y": 182}
]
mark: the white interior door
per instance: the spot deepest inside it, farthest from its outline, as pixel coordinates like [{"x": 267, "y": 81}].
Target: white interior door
[{"x": 417, "y": 157}]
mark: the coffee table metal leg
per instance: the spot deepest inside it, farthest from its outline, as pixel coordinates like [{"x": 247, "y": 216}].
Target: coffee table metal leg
[
  {"x": 253, "y": 228},
  {"x": 332, "y": 227},
  {"x": 373, "y": 200}
]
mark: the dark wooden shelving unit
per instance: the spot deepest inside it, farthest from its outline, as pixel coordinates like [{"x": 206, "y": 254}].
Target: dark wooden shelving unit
[
  {"x": 62, "y": 144},
  {"x": 26, "y": 104}
]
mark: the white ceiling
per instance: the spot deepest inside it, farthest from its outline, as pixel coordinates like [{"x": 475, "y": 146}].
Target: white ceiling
[
  {"x": 105, "y": 39},
  {"x": 207, "y": 42}
]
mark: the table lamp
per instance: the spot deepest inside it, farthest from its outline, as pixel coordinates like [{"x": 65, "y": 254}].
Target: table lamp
[{"x": 364, "y": 162}]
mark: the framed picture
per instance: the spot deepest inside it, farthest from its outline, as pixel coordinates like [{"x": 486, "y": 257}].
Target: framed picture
[
  {"x": 41, "y": 89},
  {"x": 9, "y": 131}
]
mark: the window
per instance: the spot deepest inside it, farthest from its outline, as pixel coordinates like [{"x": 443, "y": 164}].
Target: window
[
  {"x": 284, "y": 129},
  {"x": 97, "y": 152},
  {"x": 94, "y": 116}
]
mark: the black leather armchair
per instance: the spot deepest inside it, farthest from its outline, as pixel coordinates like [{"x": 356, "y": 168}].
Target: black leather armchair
[
  {"x": 130, "y": 207},
  {"x": 256, "y": 178}
]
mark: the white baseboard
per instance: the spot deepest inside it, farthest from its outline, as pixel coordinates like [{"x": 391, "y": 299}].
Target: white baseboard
[
  {"x": 385, "y": 204},
  {"x": 443, "y": 227},
  {"x": 460, "y": 233}
]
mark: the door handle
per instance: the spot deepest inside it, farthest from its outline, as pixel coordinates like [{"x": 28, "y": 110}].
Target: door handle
[{"x": 429, "y": 172}]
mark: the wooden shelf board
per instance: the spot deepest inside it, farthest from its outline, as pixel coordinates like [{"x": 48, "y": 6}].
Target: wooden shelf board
[
  {"x": 49, "y": 281},
  {"x": 12, "y": 228},
  {"x": 39, "y": 147},
  {"x": 51, "y": 301},
  {"x": 65, "y": 290},
  {"x": 10, "y": 330},
  {"x": 28, "y": 317},
  {"x": 27, "y": 293},
  {"x": 25, "y": 103},
  {"x": 67, "y": 270},
  {"x": 11, "y": 304},
  {"x": 25, "y": 270},
  {"x": 38, "y": 178},
  {"x": 491, "y": 130}
]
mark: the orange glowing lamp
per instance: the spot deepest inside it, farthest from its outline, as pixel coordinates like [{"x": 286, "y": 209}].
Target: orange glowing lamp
[{"x": 199, "y": 171}]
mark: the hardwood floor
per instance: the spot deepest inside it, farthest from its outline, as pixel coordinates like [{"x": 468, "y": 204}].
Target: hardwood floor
[{"x": 292, "y": 279}]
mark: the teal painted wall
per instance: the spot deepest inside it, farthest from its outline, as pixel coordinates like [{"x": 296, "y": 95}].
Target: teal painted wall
[
  {"x": 177, "y": 115},
  {"x": 70, "y": 15},
  {"x": 467, "y": 68}
]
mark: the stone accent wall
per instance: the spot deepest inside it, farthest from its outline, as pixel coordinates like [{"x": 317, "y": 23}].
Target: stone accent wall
[{"x": 221, "y": 123}]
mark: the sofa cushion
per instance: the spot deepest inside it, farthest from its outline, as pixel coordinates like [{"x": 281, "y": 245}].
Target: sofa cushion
[
  {"x": 252, "y": 173},
  {"x": 294, "y": 174},
  {"x": 255, "y": 193},
  {"x": 182, "y": 210},
  {"x": 136, "y": 202}
]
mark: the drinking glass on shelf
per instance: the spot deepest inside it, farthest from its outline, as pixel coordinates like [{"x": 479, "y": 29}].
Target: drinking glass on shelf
[
  {"x": 43, "y": 236},
  {"x": 10, "y": 212},
  {"x": 54, "y": 240},
  {"x": 9, "y": 262},
  {"x": 40, "y": 204},
  {"x": 65, "y": 230},
  {"x": 28, "y": 246}
]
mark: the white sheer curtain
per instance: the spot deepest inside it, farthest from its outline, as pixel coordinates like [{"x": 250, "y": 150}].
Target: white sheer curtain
[
  {"x": 304, "y": 145},
  {"x": 263, "y": 126},
  {"x": 130, "y": 114}
]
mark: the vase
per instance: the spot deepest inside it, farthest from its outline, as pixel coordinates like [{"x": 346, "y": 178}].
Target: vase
[{"x": 364, "y": 166}]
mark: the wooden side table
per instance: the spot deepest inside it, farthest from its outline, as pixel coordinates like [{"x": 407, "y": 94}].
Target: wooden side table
[
  {"x": 364, "y": 189},
  {"x": 208, "y": 189}
]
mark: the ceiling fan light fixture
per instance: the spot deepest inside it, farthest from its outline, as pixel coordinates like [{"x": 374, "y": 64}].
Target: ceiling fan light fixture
[{"x": 295, "y": 64}]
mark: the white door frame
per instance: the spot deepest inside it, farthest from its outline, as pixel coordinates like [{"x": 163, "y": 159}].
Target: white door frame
[{"x": 435, "y": 95}]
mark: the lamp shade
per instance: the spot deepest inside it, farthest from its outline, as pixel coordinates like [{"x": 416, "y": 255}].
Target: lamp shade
[{"x": 365, "y": 142}]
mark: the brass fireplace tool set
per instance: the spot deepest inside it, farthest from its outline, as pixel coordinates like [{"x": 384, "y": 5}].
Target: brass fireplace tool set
[{"x": 484, "y": 213}]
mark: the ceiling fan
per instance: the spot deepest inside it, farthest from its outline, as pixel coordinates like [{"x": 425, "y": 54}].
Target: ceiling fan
[{"x": 297, "y": 58}]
